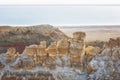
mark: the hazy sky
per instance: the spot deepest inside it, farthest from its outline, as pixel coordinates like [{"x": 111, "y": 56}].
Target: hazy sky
[{"x": 59, "y": 15}]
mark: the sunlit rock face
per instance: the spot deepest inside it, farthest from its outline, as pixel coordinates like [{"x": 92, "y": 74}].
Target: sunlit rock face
[
  {"x": 65, "y": 59},
  {"x": 77, "y": 49},
  {"x": 62, "y": 48},
  {"x": 21, "y": 36},
  {"x": 79, "y": 35},
  {"x": 61, "y": 59},
  {"x": 37, "y": 53},
  {"x": 11, "y": 54},
  {"x": 52, "y": 50},
  {"x": 91, "y": 51}
]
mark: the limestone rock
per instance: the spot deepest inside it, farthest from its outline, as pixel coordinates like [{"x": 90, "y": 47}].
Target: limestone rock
[
  {"x": 30, "y": 51},
  {"x": 76, "y": 47},
  {"x": 90, "y": 69},
  {"x": 11, "y": 54},
  {"x": 62, "y": 48},
  {"x": 91, "y": 51},
  {"x": 21, "y": 36},
  {"x": 36, "y": 52},
  {"x": 41, "y": 53},
  {"x": 79, "y": 35},
  {"x": 52, "y": 50}
]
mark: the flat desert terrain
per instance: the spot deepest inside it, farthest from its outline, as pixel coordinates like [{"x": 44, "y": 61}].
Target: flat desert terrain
[{"x": 101, "y": 33}]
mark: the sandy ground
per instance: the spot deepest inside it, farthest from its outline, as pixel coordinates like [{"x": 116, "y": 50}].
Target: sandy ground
[{"x": 95, "y": 33}]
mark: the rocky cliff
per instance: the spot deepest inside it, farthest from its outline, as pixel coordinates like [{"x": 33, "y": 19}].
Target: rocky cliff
[
  {"x": 21, "y": 36},
  {"x": 62, "y": 53},
  {"x": 63, "y": 59}
]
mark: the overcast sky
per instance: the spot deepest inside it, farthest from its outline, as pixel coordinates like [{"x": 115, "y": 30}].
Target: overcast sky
[{"x": 59, "y": 15}]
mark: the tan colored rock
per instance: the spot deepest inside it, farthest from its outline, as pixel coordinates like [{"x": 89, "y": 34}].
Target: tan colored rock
[
  {"x": 76, "y": 48},
  {"x": 52, "y": 50},
  {"x": 91, "y": 51},
  {"x": 62, "y": 48},
  {"x": 36, "y": 52},
  {"x": 41, "y": 53},
  {"x": 79, "y": 35},
  {"x": 11, "y": 54},
  {"x": 75, "y": 59},
  {"x": 11, "y": 51},
  {"x": 30, "y": 51},
  {"x": 43, "y": 44},
  {"x": 28, "y": 65},
  {"x": 113, "y": 43},
  {"x": 90, "y": 69}
]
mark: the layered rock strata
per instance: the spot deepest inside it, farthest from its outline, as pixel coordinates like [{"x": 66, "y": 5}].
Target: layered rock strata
[{"x": 64, "y": 59}]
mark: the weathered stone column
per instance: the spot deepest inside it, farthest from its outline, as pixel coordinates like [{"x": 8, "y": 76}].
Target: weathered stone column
[{"x": 77, "y": 49}]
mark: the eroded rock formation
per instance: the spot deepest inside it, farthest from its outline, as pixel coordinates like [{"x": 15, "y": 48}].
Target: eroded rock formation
[
  {"x": 63, "y": 59},
  {"x": 77, "y": 49},
  {"x": 11, "y": 54},
  {"x": 21, "y": 36},
  {"x": 113, "y": 43},
  {"x": 72, "y": 48},
  {"x": 62, "y": 48},
  {"x": 91, "y": 52}
]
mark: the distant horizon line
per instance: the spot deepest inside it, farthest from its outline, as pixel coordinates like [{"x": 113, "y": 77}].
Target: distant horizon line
[{"x": 60, "y": 25}]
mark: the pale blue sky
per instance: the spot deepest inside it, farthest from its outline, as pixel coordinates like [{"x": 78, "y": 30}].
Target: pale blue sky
[{"x": 59, "y": 15}]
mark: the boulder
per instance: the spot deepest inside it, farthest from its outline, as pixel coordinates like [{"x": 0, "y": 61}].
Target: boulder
[
  {"x": 90, "y": 69},
  {"x": 91, "y": 51}
]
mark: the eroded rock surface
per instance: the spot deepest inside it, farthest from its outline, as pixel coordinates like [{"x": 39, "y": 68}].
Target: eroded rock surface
[
  {"x": 91, "y": 51},
  {"x": 21, "y": 36},
  {"x": 65, "y": 59}
]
